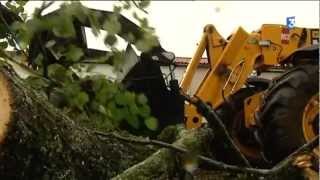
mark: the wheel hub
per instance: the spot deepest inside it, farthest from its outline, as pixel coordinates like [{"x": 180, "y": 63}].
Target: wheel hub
[{"x": 310, "y": 121}]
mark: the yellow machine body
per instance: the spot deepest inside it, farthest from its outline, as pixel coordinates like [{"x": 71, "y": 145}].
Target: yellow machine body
[{"x": 232, "y": 61}]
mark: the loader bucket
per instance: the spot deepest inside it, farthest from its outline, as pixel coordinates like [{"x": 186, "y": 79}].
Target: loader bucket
[{"x": 146, "y": 77}]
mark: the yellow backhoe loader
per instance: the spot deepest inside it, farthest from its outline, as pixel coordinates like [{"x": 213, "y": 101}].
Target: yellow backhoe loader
[{"x": 267, "y": 119}]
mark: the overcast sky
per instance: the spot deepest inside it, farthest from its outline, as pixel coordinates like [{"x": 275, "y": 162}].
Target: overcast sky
[{"x": 179, "y": 24}]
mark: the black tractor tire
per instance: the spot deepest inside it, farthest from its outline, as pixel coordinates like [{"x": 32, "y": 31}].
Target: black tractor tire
[
  {"x": 282, "y": 110},
  {"x": 232, "y": 114}
]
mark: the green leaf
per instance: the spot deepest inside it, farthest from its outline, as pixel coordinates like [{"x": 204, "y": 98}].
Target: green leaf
[
  {"x": 37, "y": 82},
  {"x": 147, "y": 42},
  {"x": 74, "y": 53},
  {"x": 35, "y": 25},
  {"x": 94, "y": 107},
  {"x": 134, "y": 122},
  {"x": 97, "y": 84},
  {"x": 39, "y": 59},
  {"x": 133, "y": 108},
  {"x": 126, "y": 5},
  {"x": 121, "y": 99},
  {"x": 94, "y": 22},
  {"x": 102, "y": 109},
  {"x": 117, "y": 59},
  {"x": 151, "y": 123},
  {"x": 3, "y": 31},
  {"x": 144, "y": 111},
  {"x": 21, "y": 2},
  {"x": 76, "y": 9},
  {"x": 112, "y": 25},
  {"x": 63, "y": 26},
  {"x": 115, "y": 113},
  {"x": 117, "y": 9},
  {"x": 130, "y": 37},
  {"x": 3, "y": 45},
  {"x": 130, "y": 97},
  {"x": 110, "y": 40},
  {"x": 57, "y": 72},
  {"x": 142, "y": 99},
  {"x": 20, "y": 9},
  {"x": 104, "y": 93},
  {"x": 144, "y": 4},
  {"x": 71, "y": 89},
  {"x": 11, "y": 6},
  {"x": 80, "y": 100}
]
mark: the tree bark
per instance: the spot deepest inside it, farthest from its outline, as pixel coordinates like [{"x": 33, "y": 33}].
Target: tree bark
[
  {"x": 37, "y": 141},
  {"x": 187, "y": 158},
  {"x": 170, "y": 164}
]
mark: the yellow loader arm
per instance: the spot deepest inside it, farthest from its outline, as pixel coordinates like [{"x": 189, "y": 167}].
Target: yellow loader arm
[
  {"x": 230, "y": 65},
  {"x": 232, "y": 62}
]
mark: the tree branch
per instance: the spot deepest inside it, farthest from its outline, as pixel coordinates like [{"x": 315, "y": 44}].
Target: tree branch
[
  {"x": 137, "y": 6},
  {"x": 44, "y": 6},
  {"x": 215, "y": 121},
  {"x": 9, "y": 58},
  {"x": 217, "y": 164},
  {"x": 142, "y": 141}
]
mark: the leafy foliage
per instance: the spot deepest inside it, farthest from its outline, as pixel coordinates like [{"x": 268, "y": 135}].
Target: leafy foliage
[
  {"x": 16, "y": 8},
  {"x": 93, "y": 100}
]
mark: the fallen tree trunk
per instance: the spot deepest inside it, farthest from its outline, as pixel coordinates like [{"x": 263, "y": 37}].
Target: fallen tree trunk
[
  {"x": 167, "y": 164},
  {"x": 37, "y": 141},
  {"x": 186, "y": 158}
]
